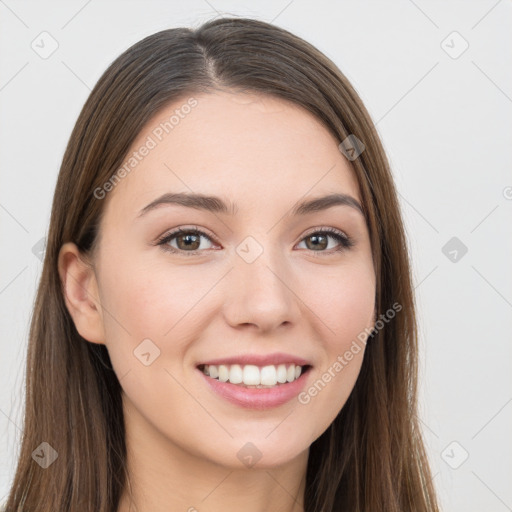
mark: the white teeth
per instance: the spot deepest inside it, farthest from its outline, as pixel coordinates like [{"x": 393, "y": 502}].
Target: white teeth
[
  {"x": 223, "y": 372},
  {"x": 269, "y": 376},
  {"x": 235, "y": 374},
  {"x": 281, "y": 373},
  {"x": 253, "y": 376}
]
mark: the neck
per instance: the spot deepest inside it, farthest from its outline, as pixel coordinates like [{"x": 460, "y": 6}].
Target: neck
[{"x": 163, "y": 477}]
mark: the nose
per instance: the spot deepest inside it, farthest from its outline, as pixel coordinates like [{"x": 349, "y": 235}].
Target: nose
[{"x": 261, "y": 294}]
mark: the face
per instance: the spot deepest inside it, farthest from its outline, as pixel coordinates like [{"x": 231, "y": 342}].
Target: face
[{"x": 250, "y": 291}]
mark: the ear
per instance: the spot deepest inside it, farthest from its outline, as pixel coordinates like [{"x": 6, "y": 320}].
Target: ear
[{"x": 81, "y": 295}]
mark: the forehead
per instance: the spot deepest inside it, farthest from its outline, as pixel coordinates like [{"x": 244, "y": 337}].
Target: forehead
[{"x": 250, "y": 148}]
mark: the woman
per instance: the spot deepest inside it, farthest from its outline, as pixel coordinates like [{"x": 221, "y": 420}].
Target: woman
[{"x": 225, "y": 318}]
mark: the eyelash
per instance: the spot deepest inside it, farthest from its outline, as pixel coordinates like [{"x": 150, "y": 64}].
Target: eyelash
[{"x": 345, "y": 241}]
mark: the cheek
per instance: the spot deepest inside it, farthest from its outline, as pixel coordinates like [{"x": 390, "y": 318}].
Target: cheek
[
  {"x": 344, "y": 302},
  {"x": 148, "y": 298},
  {"x": 153, "y": 300},
  {"x": 150, "y": 323}
]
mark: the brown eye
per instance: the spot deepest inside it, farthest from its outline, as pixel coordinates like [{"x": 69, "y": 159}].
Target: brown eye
[
  {"x": 319, "y": 240},
  {"x": 186, "y": 241}
]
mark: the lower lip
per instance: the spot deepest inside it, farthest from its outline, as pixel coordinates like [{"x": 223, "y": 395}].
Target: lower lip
[{"x": 257, "y": 398}]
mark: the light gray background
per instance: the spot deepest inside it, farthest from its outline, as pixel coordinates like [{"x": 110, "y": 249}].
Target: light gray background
[{"x": 445, "y": 123}]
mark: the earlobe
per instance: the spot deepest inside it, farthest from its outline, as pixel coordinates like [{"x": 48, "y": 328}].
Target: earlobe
[{"x": 80, "y": 290}]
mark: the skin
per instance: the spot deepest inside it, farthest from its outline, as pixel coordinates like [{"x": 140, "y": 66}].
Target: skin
[{"x": 264, "y": 154}]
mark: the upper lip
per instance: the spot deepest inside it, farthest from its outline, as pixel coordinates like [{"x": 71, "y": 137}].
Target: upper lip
[{"x": 259, "y": 360}]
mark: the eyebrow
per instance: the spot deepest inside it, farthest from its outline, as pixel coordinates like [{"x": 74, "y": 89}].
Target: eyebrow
[{"x": 215, "y": 204}]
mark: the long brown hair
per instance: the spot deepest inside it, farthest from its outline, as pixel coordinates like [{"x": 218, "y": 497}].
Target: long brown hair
[{"x": 372, "y": 457}]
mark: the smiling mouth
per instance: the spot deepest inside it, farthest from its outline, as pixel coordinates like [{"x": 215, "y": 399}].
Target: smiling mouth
[{"x": 252, "y": 376}]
